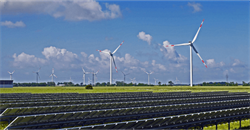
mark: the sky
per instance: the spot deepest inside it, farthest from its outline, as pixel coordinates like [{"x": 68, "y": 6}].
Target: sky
[{"x": 65, "y": 35}]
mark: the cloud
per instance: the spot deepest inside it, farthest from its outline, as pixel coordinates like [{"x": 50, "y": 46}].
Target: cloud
[
  {"x": 170, "y": 53},
  {"x": 9, "y": 24},
  {"x": 145, "y": 37},
  {"x": 196, "y": 6},
  {"x": 237, "y": 62},
  {"x": 71, "y": 10},
  {"x": 212, "y": 64},
  {"x": 59, "y": 54},
  {"x": 26, "y": 60}
]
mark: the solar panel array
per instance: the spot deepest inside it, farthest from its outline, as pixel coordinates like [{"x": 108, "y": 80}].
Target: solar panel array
[{"x": 137, "y": 110}]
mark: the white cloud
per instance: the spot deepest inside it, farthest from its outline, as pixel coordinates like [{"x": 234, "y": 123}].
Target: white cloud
[
  {"x": 145, "y": 37},
  {"x": 72, "y": 10},
  {"x": 171, "y": 54},
  {"x": 59, "y": 54},
  {"x": 196, "y": 6},
  {"x": 212, "y": 64},
  {"x": 237, "y": 62},
  {"x": 158, "y": 66},
  {"x": 9, "y": 24},
  {"x": 24, "y": 60}
]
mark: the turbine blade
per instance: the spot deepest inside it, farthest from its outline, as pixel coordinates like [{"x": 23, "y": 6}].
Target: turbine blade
[
  {"x": 38, "y": 76},
  {"x": 53, "y": 70},
  {"x": 183, "y": 44},
  {"x": 117, "y": 48},
  {"x": 50, "y": 75},
  {"x": 103, "y": 51},
  {"x": 114, "y": 63},
  {"x": 198, "y": 55},
  {"x": 97, "y": 71},
  {"x": 9, "y": 72},
  {"x": 151, "y": 72},
  {"x": 145, "y": 72},
  {"x": 55, "y": 76},
  {"x": 197, "y": 32},
  {"x": 83, "y": 70},
  {"x": 122, "y": 72},
  {"x": 39, "y": 69},
  {"x": 13, "y": 72}
]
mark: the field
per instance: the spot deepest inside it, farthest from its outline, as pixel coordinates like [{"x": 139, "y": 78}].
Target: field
[
  {"x": 72, "y": 89},
  {"x": 124, "y": 89}
]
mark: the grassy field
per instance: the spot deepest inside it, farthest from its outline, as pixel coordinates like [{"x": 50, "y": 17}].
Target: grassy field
[{"x": 124, "y": 89}]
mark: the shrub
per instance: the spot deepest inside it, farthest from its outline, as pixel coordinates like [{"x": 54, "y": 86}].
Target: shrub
[{"x": 88, "y": 87}]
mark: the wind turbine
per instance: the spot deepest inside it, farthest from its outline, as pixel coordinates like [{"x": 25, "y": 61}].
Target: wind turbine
[
  {"x": 155, "y": 80},
  {"x": 11, "y": 74},
  {"x": 37, "y": 74},
  {"x": 83, "y": 76},
  {"x": 52, "y": 75},
  {"x": 94, "y": 76},
  {"x": 124, "y": 77},
  {"x": 177, "y": 80},
  {"x": 148, "y": 75},
  {"x": 111, "y": 58},
  {"x": 133, "y": 80},
  {"x": 190, "y": 43}
]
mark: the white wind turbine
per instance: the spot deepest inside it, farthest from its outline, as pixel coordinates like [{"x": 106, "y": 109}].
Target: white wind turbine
[
  {"x": 11, "y": 74},
  {"x": 52, "y": 75},
  {"x": 37, "y": 74},
  {"x": 191, "y": 56},
  {"x": 148, "y": 75},
  {"x": 155, "y": 80},
  {"x": 177, "y": 80},
  {"x": 94, "y": 76},
  {"x": 124, "y": 77},
  {"x": 111, "y": 58},
  {"x": 133, "y": 80},
  {"x": 83, "y": 76}
]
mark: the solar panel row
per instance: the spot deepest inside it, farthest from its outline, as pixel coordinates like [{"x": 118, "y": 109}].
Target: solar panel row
[
  {"x": 70, "y": 110},
  {"x": 183, "y": 121},
  {"x": 113, "y": 115}
]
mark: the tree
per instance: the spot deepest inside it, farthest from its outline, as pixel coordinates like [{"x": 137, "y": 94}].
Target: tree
[
  {"x": 170, "y": 83},
  {"x": 159, "y": 83}
]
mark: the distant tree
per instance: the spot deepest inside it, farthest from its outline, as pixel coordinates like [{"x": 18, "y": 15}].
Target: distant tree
[
  {"x": 159, "y": 83},
  {"x": 88, "y": 87},
  {"x": 81, "y": 84},
  {"x": 170, "y": 83}
]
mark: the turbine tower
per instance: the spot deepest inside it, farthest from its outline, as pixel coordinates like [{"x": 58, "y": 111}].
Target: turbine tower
[
  {"x": 148, "y": 75},
  {"x": 37, "y": 74},
  {"x": 11, "y": 74},
  {"x": 111, "y": 59},
  {"x": 94, "y": 77},
  {"x": 191, "y": 45},
  {"x": 52, "y": 75},
  {"x": 124, "y": 77},
  {"x": 83, "y": 76}
]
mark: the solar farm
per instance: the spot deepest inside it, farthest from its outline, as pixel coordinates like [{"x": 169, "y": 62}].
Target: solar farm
[{"x": 126, "y": 110}]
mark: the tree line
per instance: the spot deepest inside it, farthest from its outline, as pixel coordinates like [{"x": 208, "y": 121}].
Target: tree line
[{"x": 121, "y": 83}]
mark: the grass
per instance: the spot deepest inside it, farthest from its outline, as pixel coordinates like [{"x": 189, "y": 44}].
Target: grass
[{"x": 124, "y": 89}]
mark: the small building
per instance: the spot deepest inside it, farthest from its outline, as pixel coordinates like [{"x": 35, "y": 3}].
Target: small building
[{"x": 6, "y": 83}]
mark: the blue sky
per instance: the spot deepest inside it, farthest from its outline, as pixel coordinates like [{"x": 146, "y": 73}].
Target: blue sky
[{"x": 64, "y": 35}]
